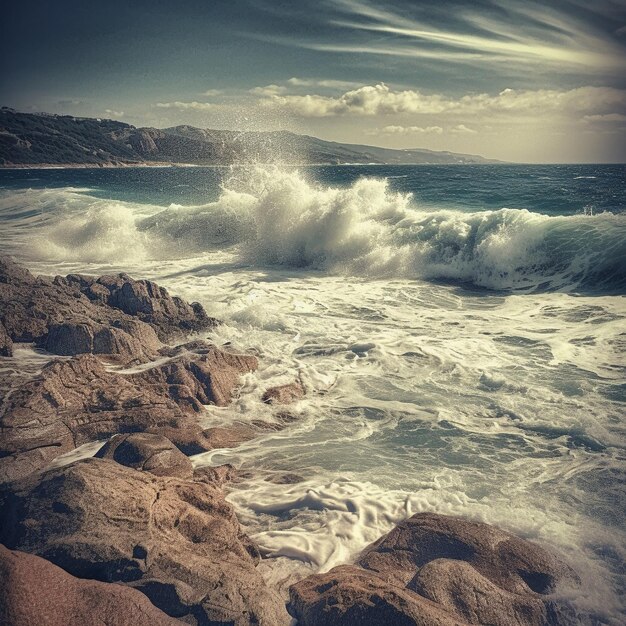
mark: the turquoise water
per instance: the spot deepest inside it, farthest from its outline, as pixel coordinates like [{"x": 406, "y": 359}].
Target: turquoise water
[{"x": 549, "y": 189}]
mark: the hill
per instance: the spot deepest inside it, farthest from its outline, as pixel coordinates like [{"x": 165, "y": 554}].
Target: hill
[{"x": 45, "y": 139}]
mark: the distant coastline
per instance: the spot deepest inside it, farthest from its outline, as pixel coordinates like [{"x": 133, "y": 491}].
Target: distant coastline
[{"x": 48, "y": 141}]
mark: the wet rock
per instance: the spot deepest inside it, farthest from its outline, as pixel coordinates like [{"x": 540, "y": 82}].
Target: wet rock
[
  {"x": 149, "y": 302},
  {"x": 229, "y": 436},
  {"x": 136, "y": 342},
  {"x": 78, "y": 400},
  {"x": 35, "y": 591},
  {"x": 177, "y": 541},
  {"x": 189, "y": 438},
  {"x": 284, "y": 394},
  {"x": 351, "y": 596},
  {"x": 289, "y": 478},
  {"x": 216, "y": 475},
  {"x": 147, "y": 452},
  {"x": 208, "y": 378},
  {"x": 474, "y": 572},
  {"x": 6, "y": 345},
  {"x": 78, "y": 310}
]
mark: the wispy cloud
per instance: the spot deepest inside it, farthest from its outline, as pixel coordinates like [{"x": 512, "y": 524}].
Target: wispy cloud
[
  {"x": 539, "y": 35},
  {"x": 461, "y": 129},
  {"x": 268, "y": 90},
  {"x": 406, "y": 130},
  {"x": 114, "y": 113},
  {"x": 325, "y": 83},
  {"x": 186, "y": 106},
  {"x": 209, "y": 93}
]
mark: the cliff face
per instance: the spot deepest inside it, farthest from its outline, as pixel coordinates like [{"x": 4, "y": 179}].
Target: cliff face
[{"x": 40, "y": 138}]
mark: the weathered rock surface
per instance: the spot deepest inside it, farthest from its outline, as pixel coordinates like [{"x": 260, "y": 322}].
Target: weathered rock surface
[
  {"x": 435, "y": 570},
  {"x": 35, "y": 591},
  {"x": 6, "y": 344},
  {"x": 80, "y": 314},
  {"x": 76, "y": 401},
  {"x": 147, "y": 452},
  {"x": 284, "y": 394},
  {"x": 196, "y": 379},
  {"x": 177, "y": 541},
  {"x": 351, "y": 596}
]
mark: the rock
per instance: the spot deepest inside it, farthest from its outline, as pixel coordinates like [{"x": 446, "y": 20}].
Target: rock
[
  {"x": 87, "y": 314},
  {"x": 147, "y": 452},
  {"x": 76, "y": 401},
  {"x": 288, "y": 478},
  {"x": 6, "y": 345},
  {"x": 189, "y": 438},
  {"x": 229, "y": 436},
  {"x": 216, "y": 475},
  {"x": 34, "y": 591},
  {"x": 284, "y": 394},
  {"x": 196, "y": 379},
  {"x": 350, "y": 596},
  {"x": 473, "y": 572},
  {"x": 149, "y": 302},
  {"x": 177, "y": 541}
]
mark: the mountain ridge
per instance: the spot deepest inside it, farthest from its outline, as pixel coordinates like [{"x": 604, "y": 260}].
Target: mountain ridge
[{"x": 31, "y": 139}]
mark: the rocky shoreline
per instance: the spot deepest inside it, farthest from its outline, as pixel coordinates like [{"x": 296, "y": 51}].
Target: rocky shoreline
[{"x": 136, "y": 535}]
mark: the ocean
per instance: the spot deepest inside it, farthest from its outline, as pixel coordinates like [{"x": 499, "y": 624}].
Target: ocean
[{"x": 460, "y": 331}]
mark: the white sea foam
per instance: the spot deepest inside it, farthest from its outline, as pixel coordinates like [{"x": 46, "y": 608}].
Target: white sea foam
[{"x": 276, "y": 217}]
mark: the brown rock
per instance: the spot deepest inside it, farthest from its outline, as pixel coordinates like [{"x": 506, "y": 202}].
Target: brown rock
[
  {"x": 350, "y": 596},
  {"x": 79, "y": 310},
  {"x": 284, "y": 394},
  {"x": 149, "y": 302},
  {"x": 177, "y": 541},
  {"x": 6, "y": 345},
  {"x": 147, "y": 452},
  {"x": 35, "y": 591},
  {"x": 76, "y": 401},
  {"x": 473, "y": 572},
  {"x": 229, "y": 436},
  {"x": 196, "y": 379}
]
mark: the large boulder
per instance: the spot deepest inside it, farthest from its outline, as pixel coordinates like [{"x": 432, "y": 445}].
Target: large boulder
[
  {"x": 177, "y": 541},
  {"x": 76, "y": 401},
  {"x": 473, "y": 572},
  {"x": 35, "y": 591},
  {"x": 147, "y": 452}
]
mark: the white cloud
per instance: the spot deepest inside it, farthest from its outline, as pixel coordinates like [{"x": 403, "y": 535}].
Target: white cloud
[
  {"x": 114, "y": 113},
  {"x": 186, "y": 106},
  {"x": 268, "y": 90},
  {"x": 609, "y": 117},
  {"x": 331, "y": 84},
  {"x": 380, "y": 99},
  {"x": 461, "y": 129},
  {"x": 406, "y": 130},
  {"x": 212, "y": 92}
]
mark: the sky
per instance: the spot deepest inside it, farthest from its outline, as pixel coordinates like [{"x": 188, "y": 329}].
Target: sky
[{"x": 527, "y": 81}]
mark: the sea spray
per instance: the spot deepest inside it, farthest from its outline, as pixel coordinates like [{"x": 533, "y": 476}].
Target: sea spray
[{"x": 271, "y": 216}]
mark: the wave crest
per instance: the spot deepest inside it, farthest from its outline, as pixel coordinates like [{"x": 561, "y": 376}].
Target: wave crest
[{"x": 271, "y": 216}]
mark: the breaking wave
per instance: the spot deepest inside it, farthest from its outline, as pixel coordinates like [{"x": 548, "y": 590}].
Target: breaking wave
[{"x": 270, "y": 216}]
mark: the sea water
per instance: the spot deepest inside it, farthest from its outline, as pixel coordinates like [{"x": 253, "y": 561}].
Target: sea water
[{"x": 460, "y": 331}]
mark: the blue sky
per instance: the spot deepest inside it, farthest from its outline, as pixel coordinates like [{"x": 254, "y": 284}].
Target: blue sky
[{"x": 517, "y": 80}]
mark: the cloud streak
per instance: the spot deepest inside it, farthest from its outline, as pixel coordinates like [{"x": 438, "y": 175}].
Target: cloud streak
[{"x": 502, "y": 33}]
